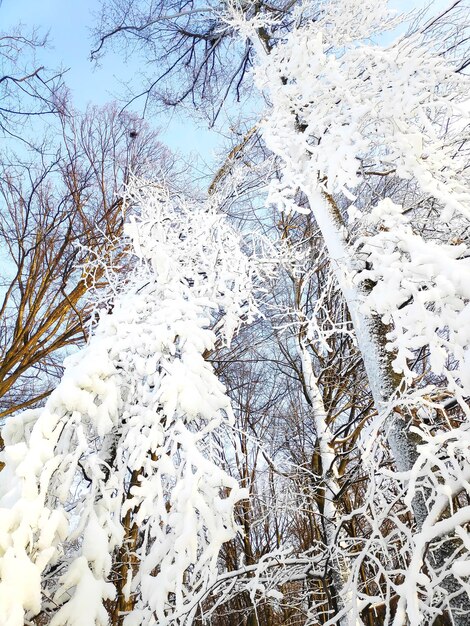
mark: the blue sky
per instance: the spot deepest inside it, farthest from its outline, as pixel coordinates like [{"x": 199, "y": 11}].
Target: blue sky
[{"x": 68, "y": 24}]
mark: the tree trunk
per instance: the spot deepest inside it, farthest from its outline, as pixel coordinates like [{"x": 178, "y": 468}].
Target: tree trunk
[
  {"x": 340, "y": 571},
  {"x": 384, "y": 382}
]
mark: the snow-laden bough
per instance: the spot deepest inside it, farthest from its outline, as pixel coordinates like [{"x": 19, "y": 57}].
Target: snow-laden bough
[{"x": 112, "y": 500}]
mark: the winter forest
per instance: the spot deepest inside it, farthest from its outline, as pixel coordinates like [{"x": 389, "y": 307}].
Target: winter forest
[{"x": 239, "y": 398}]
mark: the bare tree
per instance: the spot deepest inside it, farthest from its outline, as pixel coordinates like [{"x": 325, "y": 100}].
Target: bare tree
[
  {"x": 200, "y": 57},
  {"x": 27, "y": 89},
  {"x": 57, "y": 212}
]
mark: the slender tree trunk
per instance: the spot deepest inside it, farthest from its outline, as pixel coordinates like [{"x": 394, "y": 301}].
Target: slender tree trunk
[
  {"x": 370, "y": 334},
  {"x": 340, "y": 569},
  {"x": 126, "y": 562},
  {"x": 383, "y": 380}
]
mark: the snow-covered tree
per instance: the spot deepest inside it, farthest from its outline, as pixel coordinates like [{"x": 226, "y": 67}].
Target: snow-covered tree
[
  {"x": 344, "y": 110},
  {"x": 113, "y": 506}
]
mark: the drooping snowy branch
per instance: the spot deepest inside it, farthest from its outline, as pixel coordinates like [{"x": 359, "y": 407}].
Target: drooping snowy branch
[
  {"x": 112, "y": 499},
  {"x": 422, "y": 288}
]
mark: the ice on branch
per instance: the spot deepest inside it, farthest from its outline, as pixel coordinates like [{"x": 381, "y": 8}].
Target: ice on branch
[{"x": 112, "y": 500}]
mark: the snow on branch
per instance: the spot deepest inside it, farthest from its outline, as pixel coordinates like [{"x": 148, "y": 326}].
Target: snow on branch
[{"x": 112, "y": 501}]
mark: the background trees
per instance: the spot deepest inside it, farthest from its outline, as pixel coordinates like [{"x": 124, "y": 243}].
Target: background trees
[
  {"x": 200, "y": 60},
  {"x": 60, "y": 209},
  {"x": 27, "y": 89}
]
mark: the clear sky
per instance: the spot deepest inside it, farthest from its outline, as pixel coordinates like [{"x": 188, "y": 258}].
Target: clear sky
[{"x": 68, "y": 23}]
